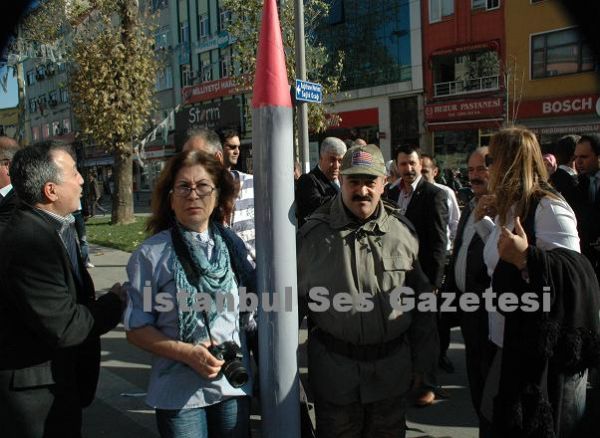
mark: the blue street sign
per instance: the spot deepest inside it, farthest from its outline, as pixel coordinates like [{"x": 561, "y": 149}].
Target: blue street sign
[{"x": 309, "y": 91}]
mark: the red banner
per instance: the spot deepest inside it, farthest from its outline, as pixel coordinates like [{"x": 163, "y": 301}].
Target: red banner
[
  {"x": 210, "y": 90},
  {"x": 464, "y": 109},
  {"x": 559, "y": 106}
]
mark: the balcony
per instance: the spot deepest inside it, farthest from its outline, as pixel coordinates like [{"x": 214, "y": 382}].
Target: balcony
[{"x": 467, "y": 86}]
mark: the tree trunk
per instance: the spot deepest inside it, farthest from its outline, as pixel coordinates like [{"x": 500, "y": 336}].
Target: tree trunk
[{"x": 122, "y": 202}]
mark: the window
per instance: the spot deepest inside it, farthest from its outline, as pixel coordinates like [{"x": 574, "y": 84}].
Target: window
[
  {"x": 206, "y": 70},
  {"x": 184, "y": 33},
  {"x": 56, "y": 128},
  {"x": 159, "y": 4},
  {"x": 161, "y": 38},
  {"x": 226, "y": 69},
  {"x": 40, "y": 72},
  {"x": 45, "y": 131},
  {"x": 32, "y": 105},
  {"x": 36, "y": 133},
  {"x": 224, "y": 19},
  {"x": 560, "y": 53},
  {"x": 186, "y": 75},
  {"x": 486, "y": 4},
  {"x": 336, "y": 12},
  {"x": 64, "y": 95},
  {"x": 30, "y": 77},
  {"x": 439, "y": 9},
  {"x": 203, "y": 30},
  {"x": 53, "y": 101},
  {"x": 66, "y": 126},
  {"x": 164, "y": 78}
]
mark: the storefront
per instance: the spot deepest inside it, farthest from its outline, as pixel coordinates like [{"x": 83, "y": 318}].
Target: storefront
[
  {"x": 554, "y": 117},
  {"x": 460, "y": 126}
]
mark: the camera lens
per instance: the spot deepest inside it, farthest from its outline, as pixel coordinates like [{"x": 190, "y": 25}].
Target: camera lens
[{"x": 235, "y": 373}]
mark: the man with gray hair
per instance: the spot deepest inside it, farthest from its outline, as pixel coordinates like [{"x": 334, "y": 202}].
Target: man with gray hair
[
  {"x": 320, "y": 184},
  {"x": 204, "y": 139},
  {"x": 8, "y": 199},
  {"x": 50, "y": 320}
]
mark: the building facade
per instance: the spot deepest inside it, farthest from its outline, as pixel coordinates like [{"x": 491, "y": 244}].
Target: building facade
[
  {"x": 464, "y": 57},
  {"x": 557, "y": 86},
  {"x": 381, "y": 94},
  {"x": 203, "y": 73}
]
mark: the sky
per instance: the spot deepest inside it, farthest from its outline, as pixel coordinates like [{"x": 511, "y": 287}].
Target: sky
[{"x": 9, "y": 98}]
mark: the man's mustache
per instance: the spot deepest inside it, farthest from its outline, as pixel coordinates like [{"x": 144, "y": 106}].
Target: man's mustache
[
  {"x": 410, "y": 174},
  {"x": 477, "y": 181},
  {"x": 361, "y": 198}
]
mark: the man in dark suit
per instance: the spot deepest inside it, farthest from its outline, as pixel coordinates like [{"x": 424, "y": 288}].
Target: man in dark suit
[
  {"x": 564, "y": 179},
  {"x": 50, "y": 320},
  {"x": 425, "y": 206},
  {"x": 321, "y": 184},
  {"x": 8, "y": 199},
  {"x": 468, "y": 273},
  {"x": 587, "y": 197}
]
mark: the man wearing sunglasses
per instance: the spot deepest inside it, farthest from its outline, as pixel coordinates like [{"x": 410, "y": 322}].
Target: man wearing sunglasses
[{"x": 8, "y": 199}]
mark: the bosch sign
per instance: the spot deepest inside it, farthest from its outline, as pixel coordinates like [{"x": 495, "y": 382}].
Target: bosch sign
[
  {"x": 569, "y": 105},
  {"x": 575, "y": 105}
]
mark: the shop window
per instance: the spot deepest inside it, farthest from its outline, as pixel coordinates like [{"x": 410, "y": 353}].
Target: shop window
[
  {"x": 440, "y": 9},
  {"x": 36, "y": 133},
  {"x": 485, "y": 4},
  {"x": 66, "y": 126},
  {"x": 45, "y": 131},
  {"x": 559, "y": 53}
]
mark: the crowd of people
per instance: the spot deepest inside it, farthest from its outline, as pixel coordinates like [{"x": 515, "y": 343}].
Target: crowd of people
[{"x": 370, "y": 235}]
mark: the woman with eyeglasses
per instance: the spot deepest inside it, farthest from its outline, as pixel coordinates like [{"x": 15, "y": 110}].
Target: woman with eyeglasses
[
  {"x": 536, "y": 385},
  {"x": 184, "y": 305}
]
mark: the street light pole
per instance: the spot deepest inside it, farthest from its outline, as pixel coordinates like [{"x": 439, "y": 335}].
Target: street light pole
[{"x": 302, "y": 109}]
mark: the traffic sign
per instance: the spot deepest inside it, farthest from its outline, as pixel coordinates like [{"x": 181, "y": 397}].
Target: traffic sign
[{"x": 309, "y": 91}]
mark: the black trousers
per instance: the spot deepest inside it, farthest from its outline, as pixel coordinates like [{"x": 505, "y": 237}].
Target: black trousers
[{"x": 40, "y": 412}]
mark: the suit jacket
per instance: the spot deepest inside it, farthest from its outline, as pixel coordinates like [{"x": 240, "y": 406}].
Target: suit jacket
[
  {"x": 7, "y": 206},
  {"x": 588, "y": 222},
  {"x": 476, "y": 279},
  {"x": 50, "y": 321},
  {"x": 428, "y": 212},
  {"x": 564, "y": 183},
  {"x": 313, "y": 189}
]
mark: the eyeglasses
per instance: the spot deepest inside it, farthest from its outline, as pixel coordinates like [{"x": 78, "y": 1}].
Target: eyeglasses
[
  {"x": 489, "y": 160},
  {"x": 201, "y": 190}
]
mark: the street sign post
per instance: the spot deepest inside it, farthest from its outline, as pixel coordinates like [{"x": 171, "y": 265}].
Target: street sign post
[{"x": 309, "y": 91}]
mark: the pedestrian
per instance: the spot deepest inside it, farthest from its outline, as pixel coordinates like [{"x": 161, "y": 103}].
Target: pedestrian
[
  {"x": 321, "y": 183},
  {"x": 8, "y": 199},
  {"x": 200, "y": 384},
  {"x": 50, "y": 320},
  {"x": 360, "y": 363},
  {"x": 95, "y": 194},
  {"x": 467, "y": 273},
  {"x": 536, "y": 385},
  {"x": 564, "y": 179}
]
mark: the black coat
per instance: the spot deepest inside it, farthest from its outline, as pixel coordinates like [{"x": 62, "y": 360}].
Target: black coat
[
  {"x": 313, "y": 189},
  {"x": 7, "y": 206},
  {"x": 428, "y": 212},
  {"x": 50, "y": 324},
  {"x": 588, "y": 222},
  {"x": 565, "y": 184}
]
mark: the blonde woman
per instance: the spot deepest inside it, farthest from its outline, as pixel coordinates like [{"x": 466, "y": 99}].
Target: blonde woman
[{"x": 537, "y": 382}]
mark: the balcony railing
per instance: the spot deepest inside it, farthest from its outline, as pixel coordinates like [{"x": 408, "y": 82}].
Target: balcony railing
[{"x": 466, "y": 86}]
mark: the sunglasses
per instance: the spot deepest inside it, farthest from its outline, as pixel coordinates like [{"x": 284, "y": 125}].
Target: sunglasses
[{"x": 489, "y": 160}]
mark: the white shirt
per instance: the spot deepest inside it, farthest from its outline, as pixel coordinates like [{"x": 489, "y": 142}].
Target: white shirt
[
  {"x": 483, "y": 228},
  {"x": 555, "y": 227},
  {"x": 405, "y": 197},
  {"x": 4, "y": 190},
  {"x": 453, "y": 214}
]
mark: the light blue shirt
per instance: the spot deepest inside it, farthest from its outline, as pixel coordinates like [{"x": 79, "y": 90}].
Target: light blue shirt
[{"x": 174, "y": 385}]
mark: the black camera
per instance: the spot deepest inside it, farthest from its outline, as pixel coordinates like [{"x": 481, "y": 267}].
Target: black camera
[{"x": 232, "y": 369}]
